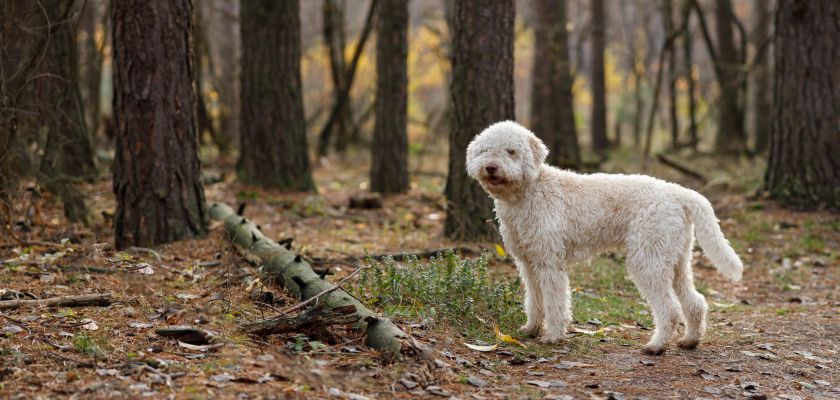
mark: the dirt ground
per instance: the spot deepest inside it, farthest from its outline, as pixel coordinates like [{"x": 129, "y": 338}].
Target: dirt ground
[{"x": 776, "y": 334}]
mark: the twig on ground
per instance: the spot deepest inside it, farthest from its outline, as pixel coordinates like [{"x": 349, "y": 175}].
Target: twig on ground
[
  {"x": 103, "y": 299},
  {"x": 135, "y": 249}
]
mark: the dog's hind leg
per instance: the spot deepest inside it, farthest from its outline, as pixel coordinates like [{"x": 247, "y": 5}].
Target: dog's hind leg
[
  {"x": 533, "y": 299},
  {"x": 693, "y": 303},
  {"x": 657, "y": 290}
]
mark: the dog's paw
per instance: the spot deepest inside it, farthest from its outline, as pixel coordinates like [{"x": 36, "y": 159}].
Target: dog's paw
[
  {"x": 653, "y": 350},
  {"x": 688, "y": 343},
  {"x": 546, "y": 338},
  {"x": 530, "y": 330}
]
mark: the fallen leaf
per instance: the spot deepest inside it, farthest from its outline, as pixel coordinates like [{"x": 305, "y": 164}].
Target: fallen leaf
[
  {"x": 476, "y": 381},
  {"x": 482, "y": 348},
  {"x": 501, "y": 251},
  {"x": 822, "y": 383},
  {"x": 507, "y": 338},
  {"x": 571, "y": 364},
  {"x": 12, "y": 329},
  {"x": 89, "y": 324},
  {"x": 145, "y": 269},
  {"x": 140, "y": 325},
  {"x": 810, "y": 356},
  {"x": 187, "y": 296},
  {"x": 542, "y": 384}
]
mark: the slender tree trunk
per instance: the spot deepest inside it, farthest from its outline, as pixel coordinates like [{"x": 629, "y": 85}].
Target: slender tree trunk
[
  {"x": 804, "y": 167},
  {"x": 731, "y": 137},
  {"x": 92, "y": 57},
  {"x": 157, "y": 177},
  {"x": 552, "y": 106},
  {"x": 670, "y": 28},
  {"x": 482, "y": 93},
  {"x": 223, "y": 47},
  {"x": 763, "y": 78},
  {"x": 335, "y": 36},
  {"x": 389, "y": 150},
  {"x": 69, "y": 150},
  {"x": 688, "y": 48},
  {"x": 273, "y": 151},
  {"x": 600, "y": 143},
  {"x": 202, "y": 62}
]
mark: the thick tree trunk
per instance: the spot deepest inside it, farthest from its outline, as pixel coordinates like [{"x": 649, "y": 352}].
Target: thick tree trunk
[
  {"x": 762, "y": 78},
  {"x": 600, "y": 143},
  {"x": 804, "y": 167},
  {"x": 282, "y": 266},
  {"x": 482, "y": 94},
  {"x": 552, "y": 107},
  {"x": 731, "y": 137},
  {"x": 69, "y": 151},
  {"x": 157, "y": 179},
  {"x": 389, "y": 149},
  {"x": 273, "y": 145}
]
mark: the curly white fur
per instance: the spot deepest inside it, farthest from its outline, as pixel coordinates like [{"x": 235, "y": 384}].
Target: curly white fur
[{"x": 551, "y": 218}]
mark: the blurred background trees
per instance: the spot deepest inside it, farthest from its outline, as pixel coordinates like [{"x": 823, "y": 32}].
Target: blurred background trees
[{"x": 287, "y": 89}]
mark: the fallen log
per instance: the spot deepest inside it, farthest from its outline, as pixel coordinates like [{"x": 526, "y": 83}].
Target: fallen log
[
  {"x": 309, "y": 321},
  {"x": 102, "y": 300},
  {"x": 688, "y": 171},
  {"x": 280, "y": 265}
]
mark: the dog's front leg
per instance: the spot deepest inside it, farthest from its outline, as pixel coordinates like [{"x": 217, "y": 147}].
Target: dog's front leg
[
  {"x": 533, "y": 299},
  {"x": 557, "y": 302}
]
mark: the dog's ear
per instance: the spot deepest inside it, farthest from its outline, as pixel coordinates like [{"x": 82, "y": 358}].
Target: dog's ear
[{"x": 538, "y": 150}]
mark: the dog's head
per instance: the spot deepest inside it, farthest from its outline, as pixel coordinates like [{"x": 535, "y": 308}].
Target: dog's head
[{"x": 505, "y": 157}]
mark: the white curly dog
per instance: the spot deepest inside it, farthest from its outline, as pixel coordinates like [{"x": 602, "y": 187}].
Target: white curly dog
[{"x": 552, "y": 218}]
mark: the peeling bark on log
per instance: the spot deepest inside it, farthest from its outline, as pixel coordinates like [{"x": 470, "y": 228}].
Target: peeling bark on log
[
  {"x": 103, "y": 299},
  {"x": 296, "y": 275},
  {"x": 309, "y": 321}
]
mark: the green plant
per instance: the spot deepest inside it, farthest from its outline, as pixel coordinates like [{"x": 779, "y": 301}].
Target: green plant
[
  {"x": 460, "y": 293},
  {"x": 90, "y": 345}
]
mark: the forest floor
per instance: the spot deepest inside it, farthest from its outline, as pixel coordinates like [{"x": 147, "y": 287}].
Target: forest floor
[{"x": 776, "y": 334}]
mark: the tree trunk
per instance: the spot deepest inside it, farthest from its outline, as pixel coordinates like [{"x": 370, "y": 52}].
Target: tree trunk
[
  {"x": 482, "y": 94},
  {"x": 157, "y": 178},
  {"x": 335, "y": 36},
  {"x": 203, "y": 62},
  {"x": 92, "y": 55},
  {"x": 389, "y": 149},
  {"x": 670, "y": 29},
  {"x": 273, "y": 145},
  {"x": 688, "y": 48},
  {"x": 804, "y": 167},
  {"x": 731, "y": 137},
  {"x": 600, "y": 143},
  {"x": 69, "y": 150},
  {"x": 762, "y": 78},
  {"x": 223, "y": 47},
  {"x": 552, "y": 107},
  {"x": 282, "y": 266}
]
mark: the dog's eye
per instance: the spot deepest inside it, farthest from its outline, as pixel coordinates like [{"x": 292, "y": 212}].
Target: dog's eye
[{"x": 511, "y": 151}]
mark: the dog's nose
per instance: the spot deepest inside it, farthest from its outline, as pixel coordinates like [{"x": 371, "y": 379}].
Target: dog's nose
[{"x": 491, "y": 169}]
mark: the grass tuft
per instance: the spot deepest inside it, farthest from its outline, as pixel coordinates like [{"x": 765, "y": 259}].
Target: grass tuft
[{"x": 90, "y": 345}]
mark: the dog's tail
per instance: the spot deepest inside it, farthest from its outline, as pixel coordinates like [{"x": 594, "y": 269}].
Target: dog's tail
[{"x": 707, "y": 230}]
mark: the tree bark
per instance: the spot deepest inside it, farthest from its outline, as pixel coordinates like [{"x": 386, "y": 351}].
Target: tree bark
[
  {"x": 600, "y": 142},
  {"x": 389, "y": 149},
  {"x": 731, "y": 137},
  {"x": 762, "y": 78},
  {"x": 552, "y": 106},
  {"x": 482, "y": 94},
  {"x": 282, "y": 266},
  {"x": 688, "y": 48},
  {"x": 274, "y": 151},
  {"x": 803, "y": 171},
  {"x": 92, "y": 55},
  {"x": 224, "y": 50},
  {"x": 670, "y": 29},
  {"x": 157, "y": 179},
  {"x": 335, "y": 36},
  {"x": 69, "y": 151}
]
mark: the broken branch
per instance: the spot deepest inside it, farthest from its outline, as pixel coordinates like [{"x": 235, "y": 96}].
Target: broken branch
[{"x": 101, "y": 300}]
